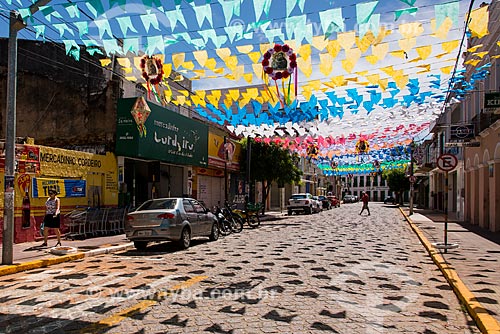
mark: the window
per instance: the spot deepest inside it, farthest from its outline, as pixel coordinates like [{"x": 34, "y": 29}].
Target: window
[
  {"x": 187, "y": 206},
  {"x": 198, "y": 208},
  {"x": 355, "y": 181},
  {"x": 361, "y": 180},
  {"x": 368, "y": 180},
  {"x": 375, "y": 181}
]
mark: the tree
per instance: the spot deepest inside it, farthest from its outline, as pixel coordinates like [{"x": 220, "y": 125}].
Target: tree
[
  {"x": 270, "y": 163},
  {"x": 397, "y": 182}
]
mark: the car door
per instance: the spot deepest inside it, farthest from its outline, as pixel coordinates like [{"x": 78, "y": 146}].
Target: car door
[
  {"x": 192, "y": 216},
  {"x": 203, "y": 219}
]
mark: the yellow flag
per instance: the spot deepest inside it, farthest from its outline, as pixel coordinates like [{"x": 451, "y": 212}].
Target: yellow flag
[
  {"x": 319, "y": 42},
  {"x": 167, "y": 70},
  {"x": 447, "y": 69},
  {"x": 414, "y": 60},
  {"x": 372, "y": 59},
  {"x": 315, "y": 84},
  {"x": 228, "y": 102},
  {"x": 325, "y": 63},
  {"x": 411, "y": 29},
  {"x": 201, "y": 94},
  {"x": 168, "y": 95},
  {"x": 127, "y": 70},
  {"x": 402, "y": 81},
  {"x": 472, "y": 62},
  {"x": 373, "y": 78},
  {"x": 198, "y": 101},
  {"x": 407, "y": 44},
  {"x": 234, "y": 94},
  {"x": 178, "y": 59},
  {"x": 184, "y": 92},
  {"x": 365, "y": 42},
  {"x": 383, "y": 83},
  {"x": 305, "y": 51},
  {"x": 399, "y": 54},
  {"x": 231, "y": 62},
  {"x": 380, "y": 50},
  {"x": 201, "y": 57},
  {"x": 264, "y": 47},
  {"x": 223, "y": 53},
  {"x": 124, "y": 62},
  {"x": 442, "y": 31},
  {"x": 214, "y": 97},
  {"x": 333, "y": 48},
  {"x": 188, "y": 65},
  {"x": 450, "y": 46},
  {"x": 253, "y": 92},
  {"x": 254, "y": 56},
  {"x": 257, "y": 69},
  {"x": 353, "y": 55},
  {"x": 424, "y": 51},
  {"x": 478, "y": 24},
  {"x": 346, "y": 39},
  {"x": 305, "y": 66},
  {"x": 248, "y": 77},
  {"x": 181, "y": 99},
  {"x": 105, "y": 62},
  {"x": 382, "y": 33},
  {"x": 338, "y": 81},
  {"x": 245, "y": 48},
  {"x": 219, "y": 70},
  {"x": 211, "y": 63},
  {"x": 137, "y": 62},
  {"x": 474, "y": 48},
  {"x": 291, "y": 43},
  {"x": 481, "y": 54},
  {"x": 388, "y": 70},
  {"x": 347, "y": 65},
  {"x": 238, "y": 72},
  {"x": 131, "y": 78},
  {"x": 426, "y": 68},
  {"x": 199, "y": 72}
]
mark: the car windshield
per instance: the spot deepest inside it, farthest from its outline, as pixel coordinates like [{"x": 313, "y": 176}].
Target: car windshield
[
  {"x": 299, "y": 196},
  {"x": 158, "y": 204}
]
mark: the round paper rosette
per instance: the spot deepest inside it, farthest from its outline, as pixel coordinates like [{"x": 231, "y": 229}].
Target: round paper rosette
[
  {"x": 279, "y": 62},
  {"x": 152, "y": 69},
  {"x": 362, "y": 146}
]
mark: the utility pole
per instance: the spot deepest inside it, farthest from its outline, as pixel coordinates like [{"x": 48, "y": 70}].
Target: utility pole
[
  {"x": 225, "y": 170},
  {"x": 15, "y": 25}
]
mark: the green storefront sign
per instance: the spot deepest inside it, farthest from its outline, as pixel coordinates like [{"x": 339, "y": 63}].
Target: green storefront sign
[{"x": 148, "y": 131}]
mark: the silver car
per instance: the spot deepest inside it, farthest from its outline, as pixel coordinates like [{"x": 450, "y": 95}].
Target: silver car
[{"x": 175, "y": 219}]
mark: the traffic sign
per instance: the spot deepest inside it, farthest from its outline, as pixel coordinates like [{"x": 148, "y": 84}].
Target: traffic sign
[
  {"x": 413, "y": 178},
  {"x": 447, "y": 162}
]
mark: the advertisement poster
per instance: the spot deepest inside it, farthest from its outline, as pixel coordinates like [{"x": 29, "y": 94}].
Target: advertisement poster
[{"x": 64, "y": 188}]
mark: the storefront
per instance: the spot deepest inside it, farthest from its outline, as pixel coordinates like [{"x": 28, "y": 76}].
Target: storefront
[
  {"x": 157, "y": 151},
  {"x": 223, "y": 166},
  {"x": 81, "y": 179}
]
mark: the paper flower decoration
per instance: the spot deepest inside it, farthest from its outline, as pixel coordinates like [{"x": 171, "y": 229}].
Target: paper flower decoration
[
  {"x": 362, "y": 146},
  {"x": 152, "y": 71},
  {"x": 280, "y": 63}
]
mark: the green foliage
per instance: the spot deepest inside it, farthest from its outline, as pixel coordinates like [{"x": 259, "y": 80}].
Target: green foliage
[
  {"x": 270, "y": 163},
  {"x": 396, "y": 180}
]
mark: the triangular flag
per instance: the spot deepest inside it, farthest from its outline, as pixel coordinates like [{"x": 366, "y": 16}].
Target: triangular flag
[
  {"x": 319, "y": 43},
  {"x": 305, "y": 66},
  {"x": 304, "y": 51},
  {"x": 407, "y": 44},
  {"x": 364, "y": 11},
  {"x": 346, "y": 39},
  {"x": 450, "y": 46},
  {"x": 442, "y": 31},
  {"x": 254, "y": 56},
  {"x": 325, "y": 63},
  {"x": 211, "y": 63},
  {"x": 178, "y": 59},
  {"x": 380, "y": 50},
  {"x": 261, "y": 6},
  {"x": 447, "y": 10},
  {"x": 478, "y": 24},
  {"x": 201, "y": 57},
  {"x": 424, "y": 51},
  {"x": 333, "y": 48}
]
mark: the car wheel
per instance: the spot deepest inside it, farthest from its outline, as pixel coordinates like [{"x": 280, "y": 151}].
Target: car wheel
[
  {"x": 214, "y": 235},
  {"x": 290, "y": 212},
  {"x": 185, "y": 240},
  {"x": 140, "y": 245},
  {"x": 308, "y": 210}
]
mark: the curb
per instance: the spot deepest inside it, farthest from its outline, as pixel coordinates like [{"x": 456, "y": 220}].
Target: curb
[
  {"x": 485, "y": 322},
  {"x": 30, "y": 265}
]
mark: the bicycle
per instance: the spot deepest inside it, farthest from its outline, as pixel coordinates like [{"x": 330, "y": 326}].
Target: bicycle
[{"x": 250, "y": 214}]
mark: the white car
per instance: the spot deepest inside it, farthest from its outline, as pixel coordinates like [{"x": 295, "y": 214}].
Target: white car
[
  {"x": 303, "y": 202},
  {"x": 319, "y": 204}
]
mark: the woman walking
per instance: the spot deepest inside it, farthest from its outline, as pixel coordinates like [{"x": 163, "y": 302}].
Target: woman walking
[{"x": 52, "y": 217}]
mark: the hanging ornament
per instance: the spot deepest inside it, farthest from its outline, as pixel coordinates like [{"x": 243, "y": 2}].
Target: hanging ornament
[
  {"x": 362, "y": 146},
  {"x": 152, "y": 71},
  {"x": 334, "y": 164},
  {"x": 280, "y": 63},
  {"x": 140, "y": 111},
  {"x": 312, "y": 151}
]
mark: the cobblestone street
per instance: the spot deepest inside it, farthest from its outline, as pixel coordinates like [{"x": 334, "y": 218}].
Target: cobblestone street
[{"x": 331, "y": 272}]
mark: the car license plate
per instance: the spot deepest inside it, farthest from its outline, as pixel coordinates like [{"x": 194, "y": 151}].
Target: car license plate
[
  {"x": 143, "y": 233},
  {"x": 297, "y": 201}
]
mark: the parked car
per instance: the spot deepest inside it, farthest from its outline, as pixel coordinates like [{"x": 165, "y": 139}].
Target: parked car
[
  {"x": 349, "y": 199},
  {"x": 302, "y": 202},
  {"x": 317, "y": 205},
  {"x": 334, "y": 201},
  {"x": 173, "y": 219},
  {"x": 389, "y": 200},
  {"x": 325, "y": 202}
]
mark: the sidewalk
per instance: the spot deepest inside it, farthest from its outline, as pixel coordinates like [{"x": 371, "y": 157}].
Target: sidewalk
[
  {"x": 29, "y": 255},
  {"x": 472, "y": 269}
]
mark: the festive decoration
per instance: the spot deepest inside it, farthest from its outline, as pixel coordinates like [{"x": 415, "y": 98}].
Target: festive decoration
[
  {"x": 334, "y": 164},
  {"x": 141, "y": 112},
  {"x": 152, "y": 71},
  {"x": 312, "y": 151},
  {"x": 362, "y": 146},
  {"x": 280, "y": 62}
]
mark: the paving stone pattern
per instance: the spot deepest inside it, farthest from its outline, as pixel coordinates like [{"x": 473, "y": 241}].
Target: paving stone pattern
[{"x": 331, "y": 272}]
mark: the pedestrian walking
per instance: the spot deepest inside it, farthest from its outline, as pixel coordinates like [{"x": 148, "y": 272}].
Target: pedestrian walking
[
  {"x": 365, "y": 199},
  {"x": 52, "y": 217}
]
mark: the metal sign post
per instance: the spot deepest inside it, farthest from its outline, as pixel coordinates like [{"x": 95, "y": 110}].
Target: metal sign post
[{"x": 446, "y": 162}]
